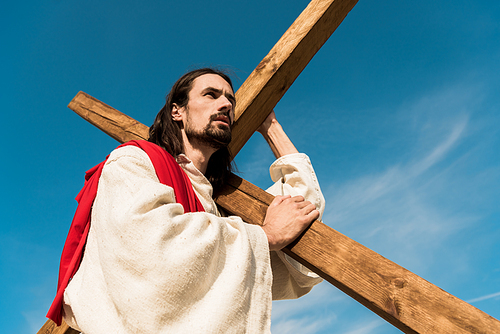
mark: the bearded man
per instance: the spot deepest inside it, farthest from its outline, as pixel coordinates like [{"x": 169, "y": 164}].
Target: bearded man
[{"x": 148, "y": 250}]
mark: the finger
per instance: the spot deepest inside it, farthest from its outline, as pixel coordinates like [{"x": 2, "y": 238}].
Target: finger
[
  {"x": 298, "y": 198},
  {"x": 302, "y": 207},
  {"x": 279, "y": 199},
  {"x": 285, "y": 197},
  {"x": 307, "y": 209},
  {"x": 305, "y": 205},
  {"x": 314, "y": 214},
  {"x": 272, "y": 115}
]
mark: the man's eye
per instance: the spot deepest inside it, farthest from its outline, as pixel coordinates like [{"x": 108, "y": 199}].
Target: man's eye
[{"x": 212, "y": 94}]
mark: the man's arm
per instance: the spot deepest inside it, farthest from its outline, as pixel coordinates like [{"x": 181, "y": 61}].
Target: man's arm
[
  {"x": 277, "y": 139},
  {"x": 294, "y": 175},
  {"x": 287, "y": 217}
]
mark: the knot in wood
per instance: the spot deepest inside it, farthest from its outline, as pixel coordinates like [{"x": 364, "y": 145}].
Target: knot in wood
[
  {"x": 399, "y": 283},
  {"x": 392, "y": 307}
]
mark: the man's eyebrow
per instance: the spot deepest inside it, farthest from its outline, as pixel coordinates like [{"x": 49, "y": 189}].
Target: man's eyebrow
[{"x": 229, "y": 96}]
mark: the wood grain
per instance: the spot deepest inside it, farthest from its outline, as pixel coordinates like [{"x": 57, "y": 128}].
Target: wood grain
[
  {"x": 270, "y": 80},
  {"x": 404, "y": 299},
  {"x": 119, "y": 126},
  {"x": 262, "y": 90},
  {"x": 50, "y": 327}
]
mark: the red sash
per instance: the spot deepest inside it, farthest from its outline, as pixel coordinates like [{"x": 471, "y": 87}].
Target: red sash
[{"x": 168, "y": 172}]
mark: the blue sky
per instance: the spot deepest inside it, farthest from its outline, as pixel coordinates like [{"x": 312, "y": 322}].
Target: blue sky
[{"x": 399, "y": 112}]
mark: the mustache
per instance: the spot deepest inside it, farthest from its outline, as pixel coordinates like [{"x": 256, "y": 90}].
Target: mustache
[{"x": 223, "y": 113}]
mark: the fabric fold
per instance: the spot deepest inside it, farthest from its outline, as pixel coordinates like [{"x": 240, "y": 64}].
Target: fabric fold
[{"x": 169, "y": 173}]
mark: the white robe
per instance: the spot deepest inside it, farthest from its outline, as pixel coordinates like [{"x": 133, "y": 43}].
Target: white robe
[{"x": 150, "y": 268}]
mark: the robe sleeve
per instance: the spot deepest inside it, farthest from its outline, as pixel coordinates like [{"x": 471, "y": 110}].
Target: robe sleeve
[
  {"x": 294, "y": 175},
  {"x": 154, "y": 265}
]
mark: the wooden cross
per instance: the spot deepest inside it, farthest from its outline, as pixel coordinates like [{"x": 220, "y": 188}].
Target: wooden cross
[{"x": 404, "y": 299}]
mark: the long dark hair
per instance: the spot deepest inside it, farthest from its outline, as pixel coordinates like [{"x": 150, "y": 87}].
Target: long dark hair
[{"x": 166, "y": 133}]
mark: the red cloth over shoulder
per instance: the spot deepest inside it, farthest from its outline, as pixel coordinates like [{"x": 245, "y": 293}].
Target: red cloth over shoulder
[{"x": 168, "y": 172}]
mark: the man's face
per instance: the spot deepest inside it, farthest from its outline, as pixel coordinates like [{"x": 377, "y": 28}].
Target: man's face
[{"x": 209, "y": 114}]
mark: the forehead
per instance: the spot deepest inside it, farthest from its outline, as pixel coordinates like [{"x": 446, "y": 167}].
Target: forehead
[{"x": 213, "y": 81}]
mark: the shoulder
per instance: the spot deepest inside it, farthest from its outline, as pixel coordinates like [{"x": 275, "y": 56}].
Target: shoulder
[
  {"x": 127, "y": 152},
  {"x": 129, "y": 160}
]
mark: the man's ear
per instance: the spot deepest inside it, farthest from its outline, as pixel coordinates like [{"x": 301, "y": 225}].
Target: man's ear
[{"x": 177, "y": 112}]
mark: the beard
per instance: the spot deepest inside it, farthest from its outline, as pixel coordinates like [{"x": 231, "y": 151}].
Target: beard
[{"x": 213, "y": 135}]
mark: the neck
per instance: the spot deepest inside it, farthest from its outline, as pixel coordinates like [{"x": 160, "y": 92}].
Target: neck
[{"x": 198, "y": 153}]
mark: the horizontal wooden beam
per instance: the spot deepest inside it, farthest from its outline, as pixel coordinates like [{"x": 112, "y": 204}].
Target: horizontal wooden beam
[
  {"x": 267, "y": 84},
  {"x": 399, "y": 296},
  {"x": 116, "y": 124}
]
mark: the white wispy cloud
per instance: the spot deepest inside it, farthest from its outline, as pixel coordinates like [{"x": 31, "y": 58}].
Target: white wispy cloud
[
  {"x": 307, "y": 325},
  {"x": 365, "y": 327},
  {"x": 385, "y": 201},
  {"x": 407, "y": 208},
  {"x": 439, "y": 151},
  {"x": 478, "y": 299},
  {"x": 310, "y": 314},
  {"x": 402, "y": 210}
]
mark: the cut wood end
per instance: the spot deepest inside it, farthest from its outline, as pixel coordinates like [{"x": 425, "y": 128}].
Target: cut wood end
[{"x": 77, "y": 97}]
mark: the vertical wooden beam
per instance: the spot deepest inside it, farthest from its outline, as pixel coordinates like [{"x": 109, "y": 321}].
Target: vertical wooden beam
[
  {"x": 267, "y": 84},
  {"x": 262, "y": 90}
]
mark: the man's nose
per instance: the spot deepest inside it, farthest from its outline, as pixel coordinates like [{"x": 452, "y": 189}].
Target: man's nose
[
  {"x": 225, "y": 103},
  {"x": 227, "y": 106}
]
